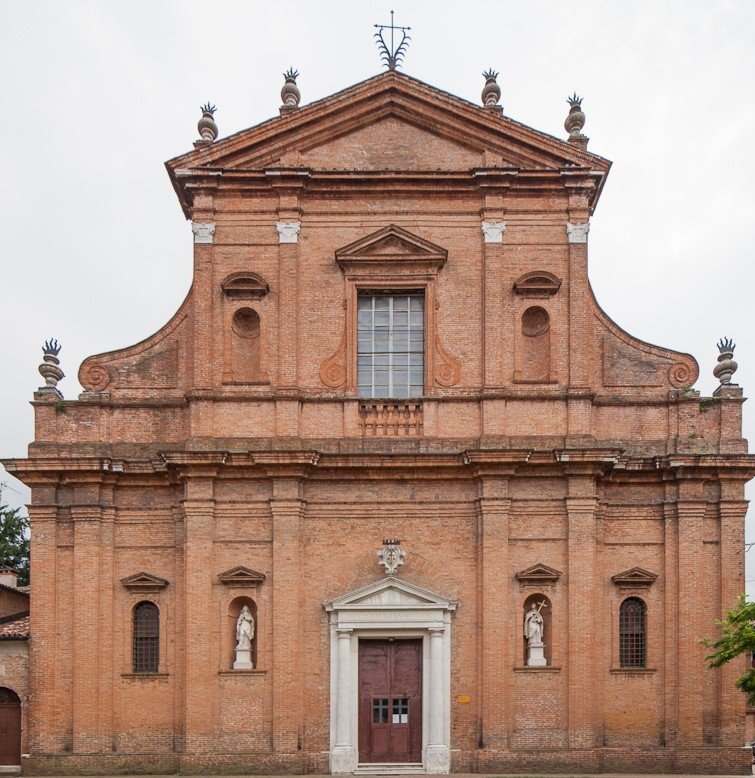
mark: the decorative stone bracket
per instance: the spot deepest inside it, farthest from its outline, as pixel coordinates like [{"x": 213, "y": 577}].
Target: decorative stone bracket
[
  {"x": 577, "y": 233},
  {"x": 288, "y": 232},
  {"x": 204, "y": 232},
  {"x": 493, "y": 231}
]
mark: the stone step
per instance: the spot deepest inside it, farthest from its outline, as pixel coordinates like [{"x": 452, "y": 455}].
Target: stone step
[{"x": 390, "y": 768}]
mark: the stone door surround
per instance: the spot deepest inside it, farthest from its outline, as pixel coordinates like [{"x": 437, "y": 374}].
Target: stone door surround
[{"x": 390, "y": 608}]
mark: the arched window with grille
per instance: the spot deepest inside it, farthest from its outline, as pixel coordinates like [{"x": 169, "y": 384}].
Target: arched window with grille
[
  {"x": 633, "y": 633},
  {"x": 146, "y": 646}
]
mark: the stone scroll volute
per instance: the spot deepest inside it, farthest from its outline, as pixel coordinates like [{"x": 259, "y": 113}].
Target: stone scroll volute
[
  {"x": 333, "y": 370},
  {"x": 447, "y": 367}
]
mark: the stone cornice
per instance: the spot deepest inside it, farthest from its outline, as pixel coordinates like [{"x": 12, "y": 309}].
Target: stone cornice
[
  {"x": 390, "y": 182},
  {"x": 592, "y": 461}
]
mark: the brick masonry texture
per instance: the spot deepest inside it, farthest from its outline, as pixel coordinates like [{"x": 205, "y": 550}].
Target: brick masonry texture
[{"x": 550, "y": 438}]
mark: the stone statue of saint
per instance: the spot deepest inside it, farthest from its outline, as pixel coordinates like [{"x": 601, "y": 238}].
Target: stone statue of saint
[
  {"x": 244, "y": 629},
  {"x": 533, "y": 626}
]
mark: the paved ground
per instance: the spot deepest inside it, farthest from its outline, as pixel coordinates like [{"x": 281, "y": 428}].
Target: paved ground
[{"x": 470, "y": 775}]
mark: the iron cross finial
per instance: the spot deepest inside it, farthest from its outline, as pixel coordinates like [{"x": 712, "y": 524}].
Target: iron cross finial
[{"x": 393, "y": 55}]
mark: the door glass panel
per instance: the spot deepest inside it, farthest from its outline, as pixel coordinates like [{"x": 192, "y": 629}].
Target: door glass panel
[
  {"x": 380, "y": 710},
  {"x": 400, "y": 710}
]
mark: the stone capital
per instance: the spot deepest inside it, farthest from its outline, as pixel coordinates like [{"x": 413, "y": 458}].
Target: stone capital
[
  {"x": 288, "y": 232},
  {"x": 577, "y": 233},
  {"x": 493, "y": 231},
  {"x": 204, "y": 232}
]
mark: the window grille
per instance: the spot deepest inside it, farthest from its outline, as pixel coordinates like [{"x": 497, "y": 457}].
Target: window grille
[
  {"x": 632, "y": 633},
  {"x": 146, "y": 649},
  {"x": 391, "y": 345}
]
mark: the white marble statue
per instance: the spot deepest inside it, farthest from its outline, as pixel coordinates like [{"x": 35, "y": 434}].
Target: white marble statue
[
  {"x": 244, "y": 637},
  {"x": 533, "y": 631}
]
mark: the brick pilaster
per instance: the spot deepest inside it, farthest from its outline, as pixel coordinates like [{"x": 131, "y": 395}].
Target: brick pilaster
[
  {"x": 692, "y": 592},
  {"x": 670, "y": 677},
  {"x": 87, "y": 629},
  {"x": 581, "y": 507},
  {"x": 200, "y": 674},
  {"x": 287, "y": 652},
  {"x": 495, "y": 644},
  {"x": 43, "y": 724},
  {"x": 732, "y": 511}
]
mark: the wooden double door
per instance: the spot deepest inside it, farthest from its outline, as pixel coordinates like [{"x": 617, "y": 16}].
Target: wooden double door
[{"x": 390, "y": 700}]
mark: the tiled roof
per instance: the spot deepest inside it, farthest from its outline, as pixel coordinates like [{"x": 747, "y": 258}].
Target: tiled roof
[
  {"x": 18, "y": 629},
  {"x": 17, "y": 589}
]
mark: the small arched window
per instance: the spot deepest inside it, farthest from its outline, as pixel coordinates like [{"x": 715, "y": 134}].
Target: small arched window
[
  {"x": 146, "y": 648},
  {"x": 632, "y": 633}
]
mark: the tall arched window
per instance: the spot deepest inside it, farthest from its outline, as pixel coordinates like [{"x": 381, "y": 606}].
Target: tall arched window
[
  {"x": 632, "y": 633},
  {"x": 146, "y": 648}
]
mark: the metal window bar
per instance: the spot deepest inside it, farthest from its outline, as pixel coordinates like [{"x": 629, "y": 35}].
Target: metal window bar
[
  {"x": 391, "y": 345},
  {"x": 632, "y": 633},
  {"x": 146, "y": 647}
]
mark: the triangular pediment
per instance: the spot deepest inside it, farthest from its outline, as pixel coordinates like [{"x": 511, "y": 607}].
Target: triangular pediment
[
  {"x": 538, "y": 574},
  {"x": 391, "y": 244},
  {"x": 388, "y": 122},
  {"x": 390, "y": 594},
  {"x": 635, "y": 576},
  {"x": 241, "y": 576},
  {"x": 392, "y": 142},
  {"x": 144, "y": 582}
]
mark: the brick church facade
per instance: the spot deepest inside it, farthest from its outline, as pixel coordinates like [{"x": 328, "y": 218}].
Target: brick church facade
[{"x": 388, "y": 422}]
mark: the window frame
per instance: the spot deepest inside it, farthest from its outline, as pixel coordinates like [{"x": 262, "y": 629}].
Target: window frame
[
  {"x": 140, "y": 665},
  {"x": 626, "y": 650},
  {"x": 414, "y": 390}
]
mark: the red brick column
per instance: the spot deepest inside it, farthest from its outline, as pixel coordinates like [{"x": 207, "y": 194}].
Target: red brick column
[
  {"x": 670, "y": 670},
  {"x": 693, "y": 590},
  {"x": 733, "y": 508},
  {"x": 87, "y": 635},
  {"x": 496, "y": 654},
  {"x": 496, "y": 351},
  {"x": 106, "y": 648},
  {"x": 288, "y": 314},
  {"x": 206, "y": 361},
  {"x": 581, "y": 506},
  {"x": 287, "y": 511},
  {"x": 44, "y": 726},
  {"x": 199, "y": 672}
]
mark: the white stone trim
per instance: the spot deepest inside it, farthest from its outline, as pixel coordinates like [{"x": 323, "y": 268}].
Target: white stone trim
[
  {"x": 577, "y": 233},
  {"x": 390, "y": 608},
  {"x": 493, "y": 231},
  {"x": 204, "y": 232},
  {"x": 288, "y": 232}
]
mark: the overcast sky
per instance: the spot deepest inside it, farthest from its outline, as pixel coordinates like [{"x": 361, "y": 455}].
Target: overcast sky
[{"x": 95, "y": 96}]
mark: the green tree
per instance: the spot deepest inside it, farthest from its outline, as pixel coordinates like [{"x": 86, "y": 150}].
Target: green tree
[
  {"x": 737, "y": 637},
  {"x": 14, "y": 542}
]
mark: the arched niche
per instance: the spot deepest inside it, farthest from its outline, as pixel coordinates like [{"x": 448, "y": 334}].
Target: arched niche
[
  {"x": 246, "y": 345},
  {"x": 229, "y": 634},
  {"x": 534, "y": 346},
  {"x": 546, "y": 611}
]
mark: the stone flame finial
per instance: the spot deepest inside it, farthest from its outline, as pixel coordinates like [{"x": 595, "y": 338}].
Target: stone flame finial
[
  {"x": 491, "y": 92},
  {"x": 208, "y": 130},
  {"x": 726, "y": 366},
  {"x": 49, "y": 369},
  {"x": 290, "y": 94},
  {"x": 575, "y": 121}
]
